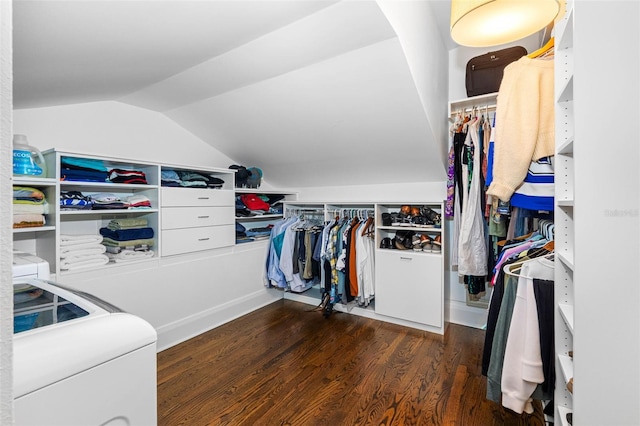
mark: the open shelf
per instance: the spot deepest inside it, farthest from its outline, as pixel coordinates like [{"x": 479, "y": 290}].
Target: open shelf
[{"x": 567, "y": 315}]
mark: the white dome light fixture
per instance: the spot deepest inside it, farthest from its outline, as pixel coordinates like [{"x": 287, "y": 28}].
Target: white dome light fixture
[{"x": 482, "y": 23}]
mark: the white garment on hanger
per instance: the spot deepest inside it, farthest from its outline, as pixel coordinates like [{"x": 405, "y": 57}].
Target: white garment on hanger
[{"x": 472, "y": 249}]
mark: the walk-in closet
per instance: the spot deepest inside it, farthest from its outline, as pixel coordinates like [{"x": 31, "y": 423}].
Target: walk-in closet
[{"x": 325, "y": 212}]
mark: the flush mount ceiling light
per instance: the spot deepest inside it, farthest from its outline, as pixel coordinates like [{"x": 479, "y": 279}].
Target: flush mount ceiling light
[{"x": 481, "y": 23}]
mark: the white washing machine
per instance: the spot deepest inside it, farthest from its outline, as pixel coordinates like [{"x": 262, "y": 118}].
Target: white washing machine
[{"x": 79, "y": 361}]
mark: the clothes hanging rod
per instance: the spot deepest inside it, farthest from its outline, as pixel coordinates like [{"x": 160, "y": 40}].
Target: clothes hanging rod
[{"x": 483, "y": 108}]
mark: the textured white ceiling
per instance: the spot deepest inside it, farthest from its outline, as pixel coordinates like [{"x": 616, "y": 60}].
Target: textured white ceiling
[{"x": 314, "y": 92}]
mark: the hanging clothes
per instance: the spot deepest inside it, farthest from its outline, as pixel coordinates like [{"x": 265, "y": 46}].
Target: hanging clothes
[{"x": 472, "y": 254}]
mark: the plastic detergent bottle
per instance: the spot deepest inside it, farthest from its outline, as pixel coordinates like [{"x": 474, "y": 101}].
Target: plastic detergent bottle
[{"x": 27, "y": 160}]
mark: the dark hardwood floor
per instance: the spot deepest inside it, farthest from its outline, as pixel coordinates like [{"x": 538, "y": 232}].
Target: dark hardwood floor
[{"x": 285, "y": 365}]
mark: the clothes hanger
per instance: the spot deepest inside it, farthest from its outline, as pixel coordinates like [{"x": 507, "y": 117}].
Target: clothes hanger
[{"x": 544, "y": 50}]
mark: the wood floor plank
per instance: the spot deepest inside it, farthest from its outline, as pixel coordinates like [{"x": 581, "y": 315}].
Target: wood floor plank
[{"x": 287, "y": 365}]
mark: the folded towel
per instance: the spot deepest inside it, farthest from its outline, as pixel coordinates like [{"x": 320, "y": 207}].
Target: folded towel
[
  {"x": 127, "y": 234},
  {"x": 81, "y": 258},
  {"x": 128, "y": 223},
  {"x": 31, "y": 208},
  {"x": 130, "y": 255},
  {"x": 28, "y": 195},
  {"x": 67, "y": 174},
  {"x": 83, "y": 163},
  {"x": 28, "y": 220},
  {"x": 82, "y": 250},
  {"x": 67, "y": 240},
  {"x": 131, "y": 243},
  {"x": 88, "y": 262}
]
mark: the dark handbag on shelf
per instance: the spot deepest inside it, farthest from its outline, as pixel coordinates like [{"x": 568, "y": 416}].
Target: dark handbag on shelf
[{"x": 484, "y": 72}]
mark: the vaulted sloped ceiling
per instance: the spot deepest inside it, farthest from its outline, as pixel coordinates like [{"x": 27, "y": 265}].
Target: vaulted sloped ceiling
[{"x": 313, "y": 92}]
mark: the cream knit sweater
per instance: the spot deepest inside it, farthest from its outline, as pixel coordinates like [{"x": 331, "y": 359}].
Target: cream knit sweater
[{"x": 525, "y": 126}]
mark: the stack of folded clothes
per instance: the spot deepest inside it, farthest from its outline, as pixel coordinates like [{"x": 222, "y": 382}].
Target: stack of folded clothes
[
  {"x": 108, "y": 201},
  {"x": 82, "y": 169},
  {"x": 75, "y": 200},
  {"x": 81, "y": 252},
  {"x": 128, "y": 239},
  {"x": 138, "y": 201},
  {"x": 29, "y": 207},
  {"x": 259, "y": 233},
  {"x": 127, "y": 176},
  {"x": 182, "y": 178},
  {"x": 255, "y": 205}
]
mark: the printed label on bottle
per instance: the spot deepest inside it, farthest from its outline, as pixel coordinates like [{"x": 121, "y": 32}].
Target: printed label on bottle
[{"x": 23, "y": 164}]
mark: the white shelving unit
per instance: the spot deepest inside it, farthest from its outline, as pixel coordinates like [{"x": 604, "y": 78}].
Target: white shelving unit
[
  {"x": 41, "y": 240},
  {"x": 564, "y": 216},
  {"x": 187, "y": 219},
  {"x": 409, "y": 285},
  {"x": 264, "y": 220}
]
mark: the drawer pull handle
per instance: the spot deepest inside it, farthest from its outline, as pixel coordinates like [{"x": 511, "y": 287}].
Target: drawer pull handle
[
  {"x": 203, "y": 217},
  {"x": 405, "y": 258},
  {"x": 203, "y": 239},
  {"x": 203, "y": 198}
]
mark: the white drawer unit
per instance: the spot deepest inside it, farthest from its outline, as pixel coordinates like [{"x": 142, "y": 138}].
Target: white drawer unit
[
  {"x": 188, "y": 240},
  {"x": 409, "y": 286},
  {"x": 193, "y": 217},
  {"x": 192, "y": 197}
]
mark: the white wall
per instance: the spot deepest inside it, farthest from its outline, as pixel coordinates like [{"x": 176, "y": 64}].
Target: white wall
[
  {"x": 6, "y": 232},
  {"x": 606, "y": 340},
  {"x": 415, "y": 24},
  {"x": 115, "y": 129}
]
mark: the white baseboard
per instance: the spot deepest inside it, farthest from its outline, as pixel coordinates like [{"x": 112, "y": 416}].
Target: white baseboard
[
  {"x": 193, "y": 325},
  {"x": 462, "y": 314}
]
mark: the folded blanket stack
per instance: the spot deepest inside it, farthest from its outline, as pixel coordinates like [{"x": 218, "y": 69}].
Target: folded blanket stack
[
  {"x": 128, "y": 239},
  {"x": 29, "y": 207},
  {"x": 81, "y": 252},
  {"x": 82, "y": 170}
]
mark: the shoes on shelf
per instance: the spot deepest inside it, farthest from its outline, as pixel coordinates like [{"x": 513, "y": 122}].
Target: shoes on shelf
[
  {"x": 415, "y": 242},
  {"x": 570, "y": 385},
  {"x": 426, "y": 243},
  {"x": 386, "y": 219},
  {"x": 386, "y": 243}
]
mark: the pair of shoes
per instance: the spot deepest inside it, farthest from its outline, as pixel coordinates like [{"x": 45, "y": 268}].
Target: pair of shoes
[
  {"x": 404, "y": 240},
  {"x": 432, "y": 215},
  {"x": 570, "y": 385},
  {"x": 437, "y": 244},
  {"x": 426, "y": 243},
  {"x": 386, "y": 243}
]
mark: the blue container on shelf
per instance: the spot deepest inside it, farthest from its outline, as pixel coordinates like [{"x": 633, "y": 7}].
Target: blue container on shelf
[{"x": 24, "y": 322}]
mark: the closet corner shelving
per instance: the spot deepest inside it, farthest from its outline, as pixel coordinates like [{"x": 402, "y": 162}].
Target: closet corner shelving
[
  {"x": 409, "y": 285},
  {"x": 564, "y": 212},
  {"x": 261, "y": 221}
]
